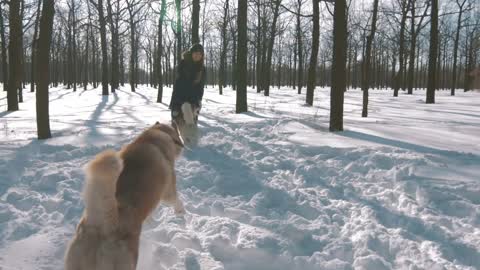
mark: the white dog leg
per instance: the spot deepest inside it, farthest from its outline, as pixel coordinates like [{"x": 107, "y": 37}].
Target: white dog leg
[{"x": 188, "y": 113}]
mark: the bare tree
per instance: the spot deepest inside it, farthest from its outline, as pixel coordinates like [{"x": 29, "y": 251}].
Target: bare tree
[
  {"x": 366, "y": 61},
  {"x": 178, "y": 7},
  {"x": 103, "y": 41},
  {"x": 338, "y": 65},
  {"x": 414, "y": 31},
  {"x": 267, "y": 64},
  {"x": 114, "y": 21},
  {"x": 461, "y": 5},
  {"x": 3, "y": 50},
  {"x": 401, "y": 53},
  {"x": 241, "y": 105},
  {"x": 223, "y": 52},
  {"x": 33, "y": 50},
  {"x": 432, "y": 57},
  {"x": 299, "y": 47},
  {"x": 14, "y": 55},
  {"x": 195, "y": 20},
  {"x": 134, "y": 8},
  {"x": 314, "y": 55},
  {"x": 163, "y": 10},
  {"x": 43, "y": 70}
]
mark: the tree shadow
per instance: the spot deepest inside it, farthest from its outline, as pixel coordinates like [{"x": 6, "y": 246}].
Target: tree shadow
[
  {"x": 147, "y": 100},
  {"x": 2, "y": 114},
  {"x": 62, "y": 95},
  {"x": 95, "y": 116},
  {"x": 401, "y": 144}
]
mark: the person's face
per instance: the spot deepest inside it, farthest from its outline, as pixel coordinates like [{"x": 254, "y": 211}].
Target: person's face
[{"x": 197, "y": 56}]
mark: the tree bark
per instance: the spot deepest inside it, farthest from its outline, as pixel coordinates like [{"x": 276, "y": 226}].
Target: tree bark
[
  {"x": 259, "y": 49},
  {"x": 43, "y": 71},
  {"x": 366, "y": 62},
  {"x": 103, "y": 41},
  {"x": 195, "y": 21},
  {"x": 4, "y": 52},
  {"x": 268, "y": 63},
  {"x": 401, "y": 53},
  {"x": 299, "y": 48},
  {"x": 241, "y": 104},
  {"x": 113, "y": 21},
  {"x": 338, "y": 65},
  {"x": 74, "y": 46},
  {"x": 432, "y": 57},
  {"x": 14, "y": 55},
  {"x": 163, "y": 10},
  {"x": 178, "y": 7},
  {"x": 34, "y": 48},
  {"x": 455, "y": 47},
  {"x": 223, "y": 53},
  {"x": 314, "y": 55}
]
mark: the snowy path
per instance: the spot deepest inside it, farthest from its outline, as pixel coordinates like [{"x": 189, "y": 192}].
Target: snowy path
[{"x": 270, "y": 189}]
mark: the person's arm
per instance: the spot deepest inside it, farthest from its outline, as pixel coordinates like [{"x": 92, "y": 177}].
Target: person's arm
[
  {"x": 202, "y": 84},
  {"x": 179, "y": 70}
]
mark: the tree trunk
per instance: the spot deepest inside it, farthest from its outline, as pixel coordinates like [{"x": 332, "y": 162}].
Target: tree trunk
[
  {"x": 195, "y": 21},
  {"x": 432, "y": 57},
  {"x": 122, "y": 67},
  {"x": 413, "y": 39},
  {"x": 34, "y": 49},
  {"x": 4, "y": 52},
  {"x": 401, "y": 53},
  {"x": 314, "y": 55},
  {"x": 43, "y": 71},
  {"x": 113, "y": 21},
  {"x": 178, "y": 6},
  {"x": 234, "y": 62},
  {"x": 366, "y": 63},
  {"x": 103, "y": 41},
  {"x": 455, "y": 48},
  {"x": 259, "y": 49},
  {"x": 338, "y": 65},
  {"x": 471, "y": 51},
  {"x": 14, "y": 55},
  {"x": 300, "y": 47},
  {"x": 268, "y": 63},
  {"x": 241, "y": 104},
  {"x": 74, "y": 46},
  {"x": 85, "y": 66},
  {"x": 223, "y": 53},
  {"x": 163, "y": 10}
]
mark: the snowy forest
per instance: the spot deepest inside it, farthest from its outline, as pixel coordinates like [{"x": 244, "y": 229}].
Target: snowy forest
[
  {"x": 398, "y": 44},
  {"x": 329, "y": 134}
]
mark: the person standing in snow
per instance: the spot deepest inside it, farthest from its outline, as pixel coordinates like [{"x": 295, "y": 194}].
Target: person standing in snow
[{"x": 189, "y": 82}]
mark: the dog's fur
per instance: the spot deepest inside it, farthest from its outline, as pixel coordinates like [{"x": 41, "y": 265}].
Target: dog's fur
[{"x": 122, "y": 189}]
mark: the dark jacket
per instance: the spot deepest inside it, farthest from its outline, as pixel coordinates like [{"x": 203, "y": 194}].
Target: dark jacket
[{"x": 185, "y": 88}]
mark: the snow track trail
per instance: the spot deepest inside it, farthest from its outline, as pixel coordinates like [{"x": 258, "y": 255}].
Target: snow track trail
[{"x": 268, "y": 189}]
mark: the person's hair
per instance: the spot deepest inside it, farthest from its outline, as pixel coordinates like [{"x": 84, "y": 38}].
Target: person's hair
[{"x": 187, "y": 56}]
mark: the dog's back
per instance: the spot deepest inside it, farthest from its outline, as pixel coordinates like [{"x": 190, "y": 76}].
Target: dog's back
[
  {"x": 96, "y": 245},
  {"x": 121, "y": 191}
]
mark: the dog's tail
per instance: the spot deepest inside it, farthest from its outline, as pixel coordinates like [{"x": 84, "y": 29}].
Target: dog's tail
[
  {"x": 188, "y": 113},
  {"x": 99, "y": 195}
]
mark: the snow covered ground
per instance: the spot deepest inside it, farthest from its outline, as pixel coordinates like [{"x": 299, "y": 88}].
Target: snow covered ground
[{"x": 268, "y": 189}]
